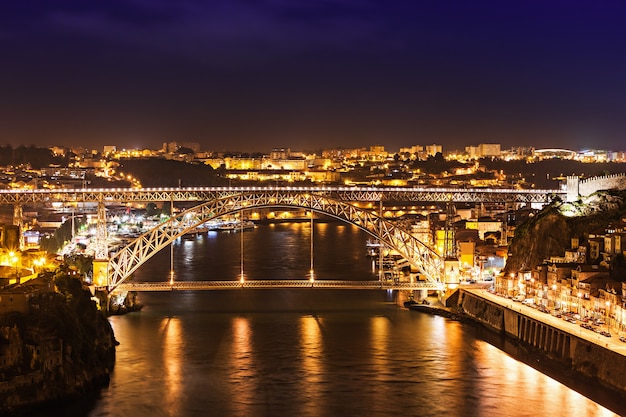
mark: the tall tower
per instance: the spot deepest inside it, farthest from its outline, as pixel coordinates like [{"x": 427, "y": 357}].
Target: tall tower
[
  {"x": 573, "y": 184},
  {"x": 451, "y": 261},
  {"x": 449, "y": 250}
]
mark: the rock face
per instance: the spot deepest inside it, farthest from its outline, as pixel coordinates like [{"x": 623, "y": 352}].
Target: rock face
[
  {"x": 542, "y": 236},
  {"x": 550, "y": 232},
  {"x": 63, "y": 348}
]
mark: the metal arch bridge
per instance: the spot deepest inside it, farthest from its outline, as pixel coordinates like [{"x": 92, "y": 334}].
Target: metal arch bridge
[
  {"x": 102, "y": 196},
  {"x": 122, "y": 264},
  {"x": 354, "y": 194}
]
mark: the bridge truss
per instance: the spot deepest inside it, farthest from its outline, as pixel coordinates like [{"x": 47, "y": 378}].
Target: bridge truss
[
  {"x": 128, "y": 259},
  {"x": 406, "y": 194}
]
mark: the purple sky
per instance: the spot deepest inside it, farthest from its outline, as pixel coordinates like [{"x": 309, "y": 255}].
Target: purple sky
[{"x": 256, "y": 74}]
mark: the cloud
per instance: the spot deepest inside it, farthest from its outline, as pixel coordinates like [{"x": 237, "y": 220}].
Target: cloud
[{"x": 234, "y": 31}]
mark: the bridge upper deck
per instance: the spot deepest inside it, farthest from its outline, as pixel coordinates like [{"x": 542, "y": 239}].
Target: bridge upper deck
[{"x": 363, "y": 194}]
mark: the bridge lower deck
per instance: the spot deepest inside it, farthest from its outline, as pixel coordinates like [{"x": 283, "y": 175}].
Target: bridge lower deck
[{"x": 276, "y": 284}]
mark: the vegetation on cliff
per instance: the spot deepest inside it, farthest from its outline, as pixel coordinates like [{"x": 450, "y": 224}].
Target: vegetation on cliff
[
  {"x": 62, "y": 348},
  {"x": 550, "y": 232},
  {"x": 155, "y": 172}
]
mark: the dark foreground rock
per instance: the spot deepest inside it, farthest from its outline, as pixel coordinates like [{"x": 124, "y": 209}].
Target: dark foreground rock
[{"x": 61, "y": 348}]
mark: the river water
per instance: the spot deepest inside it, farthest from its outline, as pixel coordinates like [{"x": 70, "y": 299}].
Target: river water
[{"x": 314, "y": 352}]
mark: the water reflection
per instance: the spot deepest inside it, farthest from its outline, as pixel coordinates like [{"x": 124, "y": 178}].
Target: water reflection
[
  {"x": 242, "y": 375},
  {"x": 173, "y": 354},
  {"x": 312, "y": 353},
  {"x": 505, "y": 383},
  {"x": 381, "y": 372}
]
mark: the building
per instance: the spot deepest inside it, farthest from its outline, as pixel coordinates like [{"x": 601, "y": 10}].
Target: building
[
  {"x": 173, "y": 147},
  {"x": 15, "y": 299},
  {"x": 432, "y": 150},
  {"x": 484, "y": 226},
  {"x": 484, "y": 150},
  {"x": 280, "y": 153},
  {"x": 487, "y": 150}
]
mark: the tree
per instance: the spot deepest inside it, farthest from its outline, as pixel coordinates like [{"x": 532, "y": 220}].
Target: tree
[
  {"x": 185, "y": 151},
  {"x": 152, "y": 209},
  {"x": 166, "y": 209}
]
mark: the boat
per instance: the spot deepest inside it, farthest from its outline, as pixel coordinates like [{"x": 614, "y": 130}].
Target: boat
[
  {"x": 410, "y": 303},
  {"x": 373, "y": 247},
  {"x": 236, "y": 225},
  {"x": 416, "y": 304}
]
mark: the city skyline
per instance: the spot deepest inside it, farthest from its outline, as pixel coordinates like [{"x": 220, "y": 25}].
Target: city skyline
[{"x": 252, "y": 76}]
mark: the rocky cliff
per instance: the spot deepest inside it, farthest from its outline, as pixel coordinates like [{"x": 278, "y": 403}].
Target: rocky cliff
[
  {"x": 62, "y": 348},
  {"x": 550, "y": 232}
]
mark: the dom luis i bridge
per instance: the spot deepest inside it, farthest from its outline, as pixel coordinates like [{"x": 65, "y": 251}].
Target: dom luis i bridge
[{"x": 359, "y": 206}]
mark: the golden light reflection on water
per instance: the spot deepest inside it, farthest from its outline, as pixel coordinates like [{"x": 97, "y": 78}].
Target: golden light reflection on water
[
  {"x": 312, "y": 354},
  {"x": 242, "y": 376},
  {"x": 380, "y": 328},
  {"x": 520, "y": 381},
  {"x": 311, "y": 348},
  {"x": 171, "y": 331},
  {"x": 446, "y": 341},
  {"x": 321, "y": 230}
]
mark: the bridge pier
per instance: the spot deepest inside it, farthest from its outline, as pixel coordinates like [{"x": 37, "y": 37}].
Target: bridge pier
[
  {"x": 17, "y": 221},
  {"x": 420, "y": 294},
  {"x": 101, "y": 248},
  {"x": 101, "y": 273}
]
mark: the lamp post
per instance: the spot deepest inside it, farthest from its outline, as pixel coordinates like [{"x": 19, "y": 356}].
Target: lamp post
[
  {"x": 241, "y": 277},
  {"x": 13, "y": 258},
  {"x": 311, "y": 275},
  {"x": 38, "y": 264},
  {"x": 608, "y": 306}
]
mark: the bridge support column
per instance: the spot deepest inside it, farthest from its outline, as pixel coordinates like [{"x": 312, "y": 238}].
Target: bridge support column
[
  {"x": 101, "y": 250},
  {"x": 420, "y": 294},
  {"x": 101, "y": 273},
  {"x": 381, "y": 272},
  {"x": 451, "y": 272},
  {"x": 17, "y": 221}
]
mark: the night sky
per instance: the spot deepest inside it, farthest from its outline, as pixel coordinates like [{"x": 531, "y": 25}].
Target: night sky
[{"x": 253, "y": 75}]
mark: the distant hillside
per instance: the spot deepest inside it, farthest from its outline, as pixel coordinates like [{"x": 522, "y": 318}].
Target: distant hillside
[
  {"x": 544, "y": 174},
  {"x": 549, "y": 233},
  {"x": 155, "y": 172}
]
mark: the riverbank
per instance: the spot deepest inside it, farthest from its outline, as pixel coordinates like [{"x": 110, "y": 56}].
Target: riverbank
[{"x": 119, "y": 302}]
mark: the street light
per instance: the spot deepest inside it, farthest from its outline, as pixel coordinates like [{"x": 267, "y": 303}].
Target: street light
[
  {"x": 608, "y": 306},
  {"x": 13, "y": 258},
  {"x": 38, "y": 264}
]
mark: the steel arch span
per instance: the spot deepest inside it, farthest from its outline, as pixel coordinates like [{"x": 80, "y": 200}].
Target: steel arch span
[{"x": 128, "y": 259}]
